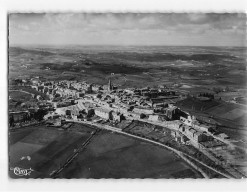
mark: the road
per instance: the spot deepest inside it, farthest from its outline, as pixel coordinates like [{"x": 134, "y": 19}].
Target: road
[
  {"x": 179, "y": 153},
  {"x": 171, "y": 126},
  {"x": 22, "y": 91},
  {"x": 74, "y": 155}
]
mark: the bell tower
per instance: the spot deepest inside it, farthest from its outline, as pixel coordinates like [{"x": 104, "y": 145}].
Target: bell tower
[{"x": 110, "y": 85}]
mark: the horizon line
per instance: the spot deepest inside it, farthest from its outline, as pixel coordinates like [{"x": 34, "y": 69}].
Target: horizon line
[{"x": 122, "y": 45}]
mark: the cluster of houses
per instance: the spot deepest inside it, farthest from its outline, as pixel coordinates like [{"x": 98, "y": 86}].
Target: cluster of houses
[
  {"x": 80, "y": 100},
  {"x": 107, "y": 102}
]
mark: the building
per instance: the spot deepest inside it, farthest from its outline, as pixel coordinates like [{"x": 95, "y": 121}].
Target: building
[
  {"x": 86, "y": 107},
  {"x": 116, "y": 116},
  {"x": 51, "y": 116},
  {"x": 123, "y": 109},
  {"x": 172, "y": 113},
  {"x": 190, "y": 132},
  {"x": 34, "y": 87},
  {"x": 199, "y": 137},
  {"x": 130, "y": 91},
  {"x": 201, "y": 127},
  {"x": 186, "y": 120},
  {"x": 40, "y": 88},
  {"x": 110, "y": 86},
  {"x": 159, "y": 105},
  {"x": 97, "y": 88},
  {"x": 143, "y": 110},
  {"x": 193, "y": 134},
  {"x": 39, "y": 97},
  {"x": 157, "y": 118},
  {"x": 103, "y": 113},
  {"x": 89, "y": 88},
  {"x": 19, "y": 116},
  {"x": 223, "y": 136}
]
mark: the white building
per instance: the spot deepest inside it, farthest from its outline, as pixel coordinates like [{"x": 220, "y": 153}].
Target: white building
[{"x": 103, "y": 113}]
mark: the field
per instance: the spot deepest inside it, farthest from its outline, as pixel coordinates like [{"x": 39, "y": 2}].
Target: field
[
  {"x": 109, "y": 155},
  {"x": 195, "y": 104},
  {"x": 197, "y": 67},
  {"x": 112, "y": 155},
  {"x": 229, "y": 117},
  {"x": 233, "y": 112},
  {"x": 20, "y": 96},
  {"x": 48, "y": 147},
  {"x": 187, "y": 70},
  {"x": 223, "y": 112}
]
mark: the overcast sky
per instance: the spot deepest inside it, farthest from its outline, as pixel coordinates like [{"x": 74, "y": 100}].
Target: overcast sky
[{"x": 128, "y": 29}]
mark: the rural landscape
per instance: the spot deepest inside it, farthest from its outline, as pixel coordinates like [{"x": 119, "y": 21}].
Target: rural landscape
[{"x": 126, "y": 110}]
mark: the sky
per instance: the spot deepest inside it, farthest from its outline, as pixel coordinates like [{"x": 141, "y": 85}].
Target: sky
[{"x": 184, "y": 29}]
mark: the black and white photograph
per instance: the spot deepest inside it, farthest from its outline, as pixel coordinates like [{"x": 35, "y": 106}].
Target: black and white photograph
[{"x": 127, "y": 95}]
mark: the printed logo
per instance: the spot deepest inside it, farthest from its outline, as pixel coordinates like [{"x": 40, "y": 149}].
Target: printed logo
[{"x": 21, "y": 172}]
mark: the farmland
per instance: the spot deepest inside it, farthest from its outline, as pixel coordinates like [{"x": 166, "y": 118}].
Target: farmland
[
  {"x": 229, "y": 118},
  {"x": 109, "y": 154},
  {"x": 133, "y": 66},
  {"x": 187, "y": 71},
  {"x": 48, "y": 147},
  {"x": 117, "y": 156},
  {"x": 196, "y": 104}
]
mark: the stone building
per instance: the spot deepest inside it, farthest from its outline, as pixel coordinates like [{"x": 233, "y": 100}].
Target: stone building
[{"x": 103, "y": 113}]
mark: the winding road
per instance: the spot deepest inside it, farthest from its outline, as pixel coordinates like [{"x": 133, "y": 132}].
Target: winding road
[{"x": 179, "y": 153}]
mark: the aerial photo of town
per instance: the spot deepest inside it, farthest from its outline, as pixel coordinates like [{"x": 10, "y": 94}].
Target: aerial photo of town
[{"x": 127, "y": 95}]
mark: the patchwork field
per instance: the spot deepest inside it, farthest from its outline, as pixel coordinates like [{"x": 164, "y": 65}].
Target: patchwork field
[
  {"x": 48, "y": 148},
  {"x": 133, "y": 66},
  {"x": 21, "y": 149},
  {"x": 229, "y": 111},
  {"x": 111, "y": 155},
  {"x": 191, "y": 103},
  {"x": 19, "y": 95}
]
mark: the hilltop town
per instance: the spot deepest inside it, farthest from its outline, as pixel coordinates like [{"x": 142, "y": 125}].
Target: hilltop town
[{"x": 147, "y": 113}]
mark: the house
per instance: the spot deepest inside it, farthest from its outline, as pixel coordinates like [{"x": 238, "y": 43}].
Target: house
[
  {"x": 19, "y": 116},
  {"x": 51, "y": 97},
  {"x": 45, "y": 90},
  {"x": 199, "y": 137},
  {"x": 223, "y": 136},
  {"x": 193, "y": 134},
  {"x": 184, "y": 139},
  {"x": 129, "y": 91},
  {"x": 190, "y": 132},
  {"x": 97, "y": 88},
  {"x": 157, "y": 118},
  {"x": 186, "y": 120},
  {"x": 51, "y": 116},
  {"x": 177, "y": 124},
  {"x": 86, "y": 107},
  {"x": 40, "y": 88},
  {"x": 175, "y": 134},
  {"x": 89, "y": 88},
  {"x": 39, "y": 97},
  {"x": 34, "y": 87},
  {"x": 116, "y": 116},
  {"x": 172, "y": 113},
  {"x": 103, "y": 113},
  {"x": 201, "y": 127},
  {"x": 135, "y": 115},
  {"x": 143, "y": 110},
  {"x": 159, "y": 105}
]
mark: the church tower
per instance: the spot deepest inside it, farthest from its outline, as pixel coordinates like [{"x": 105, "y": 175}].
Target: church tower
[{"x": 110, "y": 87}]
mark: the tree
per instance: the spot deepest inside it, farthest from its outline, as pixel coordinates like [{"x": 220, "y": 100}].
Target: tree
[{"x": 39, "y": 115}]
